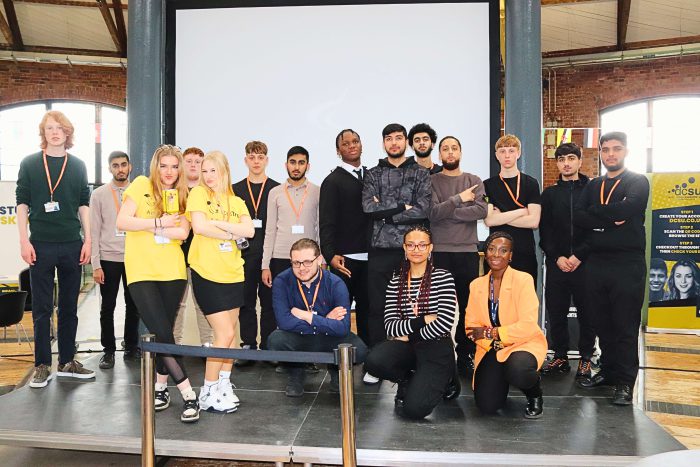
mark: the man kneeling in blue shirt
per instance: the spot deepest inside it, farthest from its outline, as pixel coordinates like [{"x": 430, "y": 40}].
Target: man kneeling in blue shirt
[{"x": 312, "y": 308}]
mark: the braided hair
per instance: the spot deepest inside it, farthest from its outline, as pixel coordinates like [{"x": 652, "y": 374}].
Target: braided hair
[
  {"x": 498, "y": 234},
  {"x": 423, "y": 299}
]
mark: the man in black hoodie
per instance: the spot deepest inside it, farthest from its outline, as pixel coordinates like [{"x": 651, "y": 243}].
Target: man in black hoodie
[
  {"x": 560, "y": 241},
  {"x": 612, "y": 210},
  {"x": 396, "y": 195}
]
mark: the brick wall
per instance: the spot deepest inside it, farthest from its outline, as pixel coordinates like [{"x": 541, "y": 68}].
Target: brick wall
[
  {"x": 26, "y": 82},
  {"x": 584, "y": 91}
]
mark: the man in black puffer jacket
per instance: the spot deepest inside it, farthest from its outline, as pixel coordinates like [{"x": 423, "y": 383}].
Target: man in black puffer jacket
[{"x": 396, "y": 195}]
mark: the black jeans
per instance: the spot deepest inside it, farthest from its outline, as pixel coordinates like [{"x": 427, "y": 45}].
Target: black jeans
[
  {"x": 615, "y": 287},
  {"x": 62, "y": 258},
  {"x": 253, "y": 289},
  {"x": 380, "y": 269},
  {"x": 158, "y": 302},
  {"x": 493, "y": 378},
  {"x": 114, "y": 273},
  {"x": 295, "y": 342},
  {"x": 433, "y": 362},
  {"x": 464, "y": 268},
  {"x": 560, "y": 288},
  {"x": 357, "y": 287}
]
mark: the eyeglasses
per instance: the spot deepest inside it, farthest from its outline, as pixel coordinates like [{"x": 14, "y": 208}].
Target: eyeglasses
[
  {"x": 416, "y": 246},
  {"x": 307, "y": 264}
]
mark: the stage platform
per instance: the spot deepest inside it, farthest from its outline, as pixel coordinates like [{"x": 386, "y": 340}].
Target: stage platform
[{"x": 578, "y": 427}]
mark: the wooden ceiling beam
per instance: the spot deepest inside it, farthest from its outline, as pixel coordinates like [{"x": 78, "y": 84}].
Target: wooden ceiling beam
[
  {"x": 5, "y": 29},
  {"x": 64, "y": 51},
  {"x": 623, "y": 19},
  {"x": 672, "y": 41},
  {"x": 121, "y": 25},
  {"x": 109, "y": 21},
  {"x": 70, "y": 3},
  {"x": 17, "y": 43}
]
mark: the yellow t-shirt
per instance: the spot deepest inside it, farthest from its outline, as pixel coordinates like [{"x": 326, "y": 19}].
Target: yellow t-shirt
[
  {"x": 213, "y": 259},
  {"x": 144, "y": 259}
]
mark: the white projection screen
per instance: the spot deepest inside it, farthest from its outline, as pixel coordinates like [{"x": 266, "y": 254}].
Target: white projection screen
[{"x": 297, "y": 73}]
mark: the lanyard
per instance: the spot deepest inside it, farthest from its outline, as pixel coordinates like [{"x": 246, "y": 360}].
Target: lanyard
[
  {"x": 414, "y": 301},
  {"x": 291, "y": 203},
  {"x": 303, "y": 296},
  {"x": 493, "y": 305},
  {"x": 517, "y": 191},
  {"x": 52, "y": 188},
  {"x": 117, "y": 200},
  {"x": 255, "y": 203},
  {"x": 602, "y": 190}
]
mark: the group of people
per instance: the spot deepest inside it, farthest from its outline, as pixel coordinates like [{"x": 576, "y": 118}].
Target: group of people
[
  {"x": 399, "y": 240},
  {"x": 682, "y": 283}
]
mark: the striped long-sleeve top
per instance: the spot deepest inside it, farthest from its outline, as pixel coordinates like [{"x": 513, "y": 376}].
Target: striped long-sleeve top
[{"x": 443, "y": 302}]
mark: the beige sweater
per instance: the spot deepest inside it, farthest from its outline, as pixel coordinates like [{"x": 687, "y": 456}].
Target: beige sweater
[{"x": 106, "y": 245}]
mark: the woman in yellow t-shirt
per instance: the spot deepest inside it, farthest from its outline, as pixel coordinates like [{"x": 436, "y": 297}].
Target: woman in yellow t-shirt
[
  {"x": 219, "y": 220},
  {"x": 155, "y": 266}
]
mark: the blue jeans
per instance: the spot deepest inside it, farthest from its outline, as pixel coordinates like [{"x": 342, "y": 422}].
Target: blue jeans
[{"x": 64, "y": 258}]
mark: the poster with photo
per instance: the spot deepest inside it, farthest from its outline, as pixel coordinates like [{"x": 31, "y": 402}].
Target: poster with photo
[{"x": 674, "y": 274}]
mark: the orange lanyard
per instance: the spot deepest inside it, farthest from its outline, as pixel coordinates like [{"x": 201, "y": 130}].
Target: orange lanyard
[
  {"x": 52, "y": 188},
  {"x": 117, "y": 202},
  {"x": 291, "y": 203},
  {"x": 517, "y": 191},
  {"x": 602, "y": 191},
  {"x": 303, "y": 296},
  {"x": 256, "y": 204}
]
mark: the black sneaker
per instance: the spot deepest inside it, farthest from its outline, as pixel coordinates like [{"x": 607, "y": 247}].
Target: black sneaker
[
  {"x": 584, "y": 369},
  {"x": 132, "y": 354},
  {"x": 311, "y": 368},
  {"x": 622, "y": 395},
  {"x": 557, "y": 365},
  {"x": 190, "y": 411},
  {"x": 162, "y": 400},
  {"x": 334, "y": 385},
  {"x": 107, "y": 361},
  {"x": 295, "y": 382},
  {"x": 454, "y": 387}
]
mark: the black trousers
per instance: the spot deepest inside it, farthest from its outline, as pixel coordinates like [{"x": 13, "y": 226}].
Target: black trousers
[
  {"x": 254, "y": 289},
  {"x": 158, "y": 302},
  {"x": 278, "y": 265},
  {"x": 615, "y": 287},
  {"x": 464, "y": 268},
  {"x": 114, "y": 273},
  {"x": 357, "y": 287},
  {"x": 433, "y": 362},
  {"x": 493, "y": 379},
  {"x": 560, "y": 288},
  {"x": 380, "y": 269}
]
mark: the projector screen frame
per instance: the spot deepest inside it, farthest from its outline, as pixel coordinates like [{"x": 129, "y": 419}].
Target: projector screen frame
[{"x": 172, "y": 6}]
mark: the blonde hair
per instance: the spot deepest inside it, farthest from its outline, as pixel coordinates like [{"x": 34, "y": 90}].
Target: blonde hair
[
  {"x": 508, "y": 141},
  {"x": 223, "y": 171},
  {"x": 61, "y": 120},
  {"x": 154, "y": 176}
]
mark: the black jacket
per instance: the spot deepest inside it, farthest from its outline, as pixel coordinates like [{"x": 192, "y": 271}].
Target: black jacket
[
  {"x": 558, "y": 235},
  {"x": 386, "y": 193},
  {"x": 343, "y": 225}
]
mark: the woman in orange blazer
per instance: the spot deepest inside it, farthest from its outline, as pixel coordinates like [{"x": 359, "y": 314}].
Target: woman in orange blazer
[{"x": 501, "y": 318}]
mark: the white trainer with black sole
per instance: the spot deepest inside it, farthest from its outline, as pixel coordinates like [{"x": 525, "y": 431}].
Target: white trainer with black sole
[{"x": 211, "y": 400}]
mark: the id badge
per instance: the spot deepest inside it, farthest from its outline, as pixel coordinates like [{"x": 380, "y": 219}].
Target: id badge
[
  {"x": 257, "y": 223},
  {"x": 161, "y": 240},
  {"x": 119, "y": 233},
  {"x": 297, "y": 229},
  {"x": 51, "y": 206},
  {"x": 225, "y": 247}
]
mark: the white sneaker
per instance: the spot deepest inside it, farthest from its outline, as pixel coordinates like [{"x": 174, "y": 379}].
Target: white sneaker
[
  {"x": 226, "y": 391},
  {"x": 211, "y": 400},
  {"x": 370, "y": 380}
]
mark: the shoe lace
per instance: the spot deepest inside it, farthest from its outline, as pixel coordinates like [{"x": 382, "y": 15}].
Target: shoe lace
[
  {"x": 556, "y": 362},
  {"x": 584, "y": 366},
  {"x": 191, "y": 405}
]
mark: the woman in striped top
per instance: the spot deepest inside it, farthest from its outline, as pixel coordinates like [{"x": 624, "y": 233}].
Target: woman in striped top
[{"x": 419, "y": 316}]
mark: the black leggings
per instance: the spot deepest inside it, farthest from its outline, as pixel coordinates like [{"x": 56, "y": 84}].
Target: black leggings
[
  {"x": 433, "y": 362},
  {"x": 493, "y": 378},
  {"x": 158, "y": 303}
]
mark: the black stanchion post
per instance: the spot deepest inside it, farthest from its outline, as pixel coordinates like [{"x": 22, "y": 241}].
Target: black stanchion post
[
  {"x": 148, "y": 419},
  {"x": 347, "y": 403}
]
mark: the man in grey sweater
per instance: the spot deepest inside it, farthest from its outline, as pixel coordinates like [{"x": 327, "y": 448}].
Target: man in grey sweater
[{"x": 457, "y": 204}]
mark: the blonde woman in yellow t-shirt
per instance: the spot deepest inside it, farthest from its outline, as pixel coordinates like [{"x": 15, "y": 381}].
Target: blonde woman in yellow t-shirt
[
  {"x": 219, "y": 220},
  {"x": 155, "y": 266}
]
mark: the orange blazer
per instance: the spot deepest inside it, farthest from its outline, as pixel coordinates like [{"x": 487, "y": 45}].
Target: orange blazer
[{"x": 518, "y": 314}]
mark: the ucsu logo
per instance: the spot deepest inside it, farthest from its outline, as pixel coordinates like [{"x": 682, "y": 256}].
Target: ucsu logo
[{"x": 684, "y": 189}]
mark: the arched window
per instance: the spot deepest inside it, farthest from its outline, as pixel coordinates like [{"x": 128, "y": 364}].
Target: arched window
[
  {"x": 661, "y": 133},
  {"x": 99, "y": 130}
]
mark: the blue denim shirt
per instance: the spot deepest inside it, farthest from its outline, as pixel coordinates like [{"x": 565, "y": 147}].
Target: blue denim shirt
[{"x": 332, "y": 293}]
